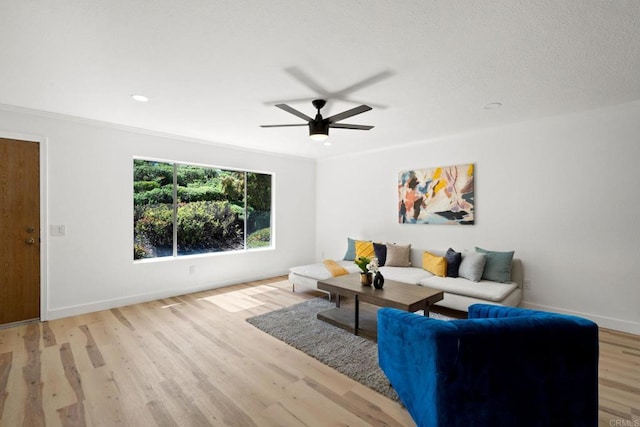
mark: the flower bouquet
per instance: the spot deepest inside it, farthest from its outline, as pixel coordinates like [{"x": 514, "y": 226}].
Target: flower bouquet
[{"x": 368, "y": 267}]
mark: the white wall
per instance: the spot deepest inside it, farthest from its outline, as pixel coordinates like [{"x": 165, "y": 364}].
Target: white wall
[
  {"x": 563, "y": 192},
  {"x": 88, "y": 188}
]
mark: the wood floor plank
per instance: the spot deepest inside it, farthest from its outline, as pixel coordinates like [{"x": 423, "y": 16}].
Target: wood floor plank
[
  {"x": 57, "y": 393},
  {"x": 278, "y": 415},
  {"x": 5, "y": 368},
  {"x": 161, "y": 414},
  {"x": 231, "y": 413},
  {"x": 192, "y": 414},
  {"x": 307, "y": 404},
  {"x": 121, "y": 318},
  {"x": 72, "y": 415},
  {"x": 372, "y": 414},
  {"x": 71, "y": 371},
  {"x": 32, "y": 374},
  {"x": 615, "y": 409},
  {"x": 48, "y": 337},
  {"x": 620, "y": 396},
  {"x": 92, "y": 350},
  {"x": 17, "y": 391},
  {"x": 103, "y": 402}
]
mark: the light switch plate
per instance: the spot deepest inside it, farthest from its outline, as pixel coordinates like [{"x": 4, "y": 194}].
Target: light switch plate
[{"x": 57, "y": 230}]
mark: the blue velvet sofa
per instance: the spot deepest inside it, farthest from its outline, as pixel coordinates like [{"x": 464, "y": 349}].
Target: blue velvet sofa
[{"x": 503, "y": 366}]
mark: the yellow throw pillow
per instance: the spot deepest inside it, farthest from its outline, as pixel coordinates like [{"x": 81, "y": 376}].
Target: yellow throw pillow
[
  {"x": 364, "y": 248},
  {"x": 435, "y": 265}
]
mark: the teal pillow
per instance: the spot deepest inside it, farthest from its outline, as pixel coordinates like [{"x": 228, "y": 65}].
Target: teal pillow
[
  {"x": 350, "y": 255},
  {"x": 498, "y": 266}
]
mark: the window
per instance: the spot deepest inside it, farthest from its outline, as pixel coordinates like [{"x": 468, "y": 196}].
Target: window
[{"x": 181, "y": 209}]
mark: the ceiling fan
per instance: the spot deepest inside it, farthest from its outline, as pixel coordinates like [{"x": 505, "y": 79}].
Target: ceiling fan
[{"x": 319, "y": 126}]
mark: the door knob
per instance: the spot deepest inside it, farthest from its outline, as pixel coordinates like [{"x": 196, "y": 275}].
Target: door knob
[
  {"x": 30, "y": 241},
  {"x": 31, "y": 229}
]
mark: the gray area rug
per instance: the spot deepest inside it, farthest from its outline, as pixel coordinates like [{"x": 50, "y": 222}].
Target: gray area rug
[
  {"x": 354, "y": 356},
  {"x": 349, "y": 354}
]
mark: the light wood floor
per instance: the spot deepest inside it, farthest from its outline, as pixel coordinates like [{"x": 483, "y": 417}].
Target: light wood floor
[{"x": 194, "y": 361}]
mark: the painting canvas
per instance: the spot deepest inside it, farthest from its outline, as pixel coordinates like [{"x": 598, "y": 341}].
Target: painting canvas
[{"x": 442, "y": 195}]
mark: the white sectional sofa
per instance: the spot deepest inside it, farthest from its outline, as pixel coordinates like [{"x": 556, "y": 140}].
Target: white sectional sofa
[{"x": 459, "y": 293}]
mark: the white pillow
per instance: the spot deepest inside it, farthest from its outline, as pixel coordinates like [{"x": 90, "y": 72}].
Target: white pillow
[{"x": 472, "y": 265}]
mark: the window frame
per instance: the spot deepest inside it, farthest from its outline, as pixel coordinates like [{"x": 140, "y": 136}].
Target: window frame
[{"x": 175, "y": 164}]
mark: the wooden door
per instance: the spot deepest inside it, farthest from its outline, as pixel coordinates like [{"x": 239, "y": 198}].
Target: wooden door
[{"x": 19, "y": 230}]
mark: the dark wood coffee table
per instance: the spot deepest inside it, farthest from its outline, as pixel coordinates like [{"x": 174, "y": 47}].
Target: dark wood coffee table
[{"x": 363, "y": 320}]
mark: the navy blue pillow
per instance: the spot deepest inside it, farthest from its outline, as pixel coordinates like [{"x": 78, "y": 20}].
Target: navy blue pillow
[
  {"x": 453, "y": 262},
  {"x": 381, "y": 252}
]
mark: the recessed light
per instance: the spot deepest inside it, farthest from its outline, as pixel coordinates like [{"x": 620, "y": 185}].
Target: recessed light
[
  {"x": 139, "y": 98},
  {"x": 493, "y": 106}
]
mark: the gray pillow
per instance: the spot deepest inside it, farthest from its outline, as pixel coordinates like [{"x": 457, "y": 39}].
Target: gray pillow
[
  {"x": 498, "y": 266},
  {"x": 472, "y": 265},
  {"x": 398, "y": 255}
]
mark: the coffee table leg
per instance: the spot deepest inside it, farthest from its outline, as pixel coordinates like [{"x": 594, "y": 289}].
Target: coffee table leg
[
  {"x": 426, "y": 309},
  {"x": 338, "y": 300},
  {"x": 357, "y": 313}
]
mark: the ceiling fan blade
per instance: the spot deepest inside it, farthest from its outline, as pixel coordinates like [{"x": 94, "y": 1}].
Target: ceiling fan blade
[
  {"x": 295, "y": 101},
  {"x": 293, "y": 111},
  {"x": 348, "y": 113},
  {"x": 366, "y": 82},
  {"x": 346, "y": 126},
  {"x": 351, "y": 101},
  {"x": 306, "y": 80},
  {"x": 282, "y": 126}
]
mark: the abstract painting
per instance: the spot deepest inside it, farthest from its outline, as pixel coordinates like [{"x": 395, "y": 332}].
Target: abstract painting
[{"x": 442, "y": 195}]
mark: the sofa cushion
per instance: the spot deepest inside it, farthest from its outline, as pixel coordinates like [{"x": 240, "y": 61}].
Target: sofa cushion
[
  {"x": 472, "y": 265},
  {"x": 364, "y": 248},
  {"x": 436, "y": 265},
  {"x": 453, "y": 262},
  {"x": 381, "y": 253},
  {"x": 398, "y": 255},
  {"x": 498, "y": 266},
  {"x": 484, "y": 289},
  {"x": 350, "y": 255},
  {"x": 411, "y": 275},
  {"x": 319, "y": 272}
]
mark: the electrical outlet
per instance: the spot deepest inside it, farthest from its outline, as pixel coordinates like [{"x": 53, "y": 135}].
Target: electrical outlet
[
  {"x": 527, "y": 284},
  {"x": 192, "y": 270}
]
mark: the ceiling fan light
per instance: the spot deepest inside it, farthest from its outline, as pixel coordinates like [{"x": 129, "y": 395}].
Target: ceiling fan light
[{"x": 319, "y": 137}]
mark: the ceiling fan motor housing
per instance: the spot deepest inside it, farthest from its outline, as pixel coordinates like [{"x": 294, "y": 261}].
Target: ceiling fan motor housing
[{"x": 319, "y": 127}]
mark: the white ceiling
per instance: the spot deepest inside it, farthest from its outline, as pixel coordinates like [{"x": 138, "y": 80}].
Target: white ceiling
[{"x": 213, "y": 70}]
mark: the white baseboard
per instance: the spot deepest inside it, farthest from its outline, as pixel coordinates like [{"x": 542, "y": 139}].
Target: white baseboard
[
  {"x": 75, "y": 310},
  {"x": 602, "y": 321}
]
